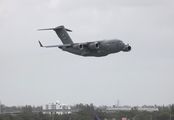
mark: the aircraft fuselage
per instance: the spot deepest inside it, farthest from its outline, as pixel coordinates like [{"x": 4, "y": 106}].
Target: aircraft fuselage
[
  {"x": 105, "y": 47},
  {"x": 95, "y": 48}
]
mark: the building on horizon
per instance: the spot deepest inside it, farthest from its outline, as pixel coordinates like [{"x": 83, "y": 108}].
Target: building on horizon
[
  {"x": 117, "y": 109},
  {"x": 56, "y": 108},
  {"x": 113, "y": 109},
  {"x": 152, "y": 109}
]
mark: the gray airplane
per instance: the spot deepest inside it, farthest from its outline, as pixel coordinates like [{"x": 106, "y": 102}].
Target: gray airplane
[{"x": 96, "y": 48}]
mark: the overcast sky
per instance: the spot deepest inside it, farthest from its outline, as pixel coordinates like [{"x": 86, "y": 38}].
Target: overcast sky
[{"x": 30, "y": 75}]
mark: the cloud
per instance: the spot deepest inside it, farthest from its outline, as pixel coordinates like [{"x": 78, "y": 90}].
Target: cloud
[
  {"x": 4, "y": 6},
  {"x": 53, "y": 3}
]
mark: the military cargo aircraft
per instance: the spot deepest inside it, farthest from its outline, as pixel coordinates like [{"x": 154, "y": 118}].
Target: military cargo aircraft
[{"x": 96, "y": 48}]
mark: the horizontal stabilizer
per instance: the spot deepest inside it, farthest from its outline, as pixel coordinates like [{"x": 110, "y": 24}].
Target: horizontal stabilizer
[
  {"x": 46, "y": 29},
  {"x": 57, "y": 28},
  {"x": 68, "y": 30}
]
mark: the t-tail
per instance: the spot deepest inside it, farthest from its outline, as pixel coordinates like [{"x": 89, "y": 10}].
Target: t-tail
[{"x": 61, "y": 32}]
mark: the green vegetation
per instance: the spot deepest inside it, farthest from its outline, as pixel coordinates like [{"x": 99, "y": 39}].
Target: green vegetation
[{"x": 88, "y": 112}]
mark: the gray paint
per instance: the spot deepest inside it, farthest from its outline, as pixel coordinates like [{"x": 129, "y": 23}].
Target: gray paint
[{"x": 96, "y": 48}]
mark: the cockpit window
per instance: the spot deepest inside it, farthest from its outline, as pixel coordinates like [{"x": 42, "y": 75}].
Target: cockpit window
[{"x": 118, "y": 42}]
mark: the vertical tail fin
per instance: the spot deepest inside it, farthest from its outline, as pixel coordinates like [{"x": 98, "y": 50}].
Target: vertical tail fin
[{"x": 61, "y": 32}]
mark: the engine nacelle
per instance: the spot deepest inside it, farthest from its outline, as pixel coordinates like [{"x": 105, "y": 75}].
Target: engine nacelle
[
  {"x": 127, "y": 48},
  {"x": 94, "y": 45},
  {"x": 77, "y": 47}
]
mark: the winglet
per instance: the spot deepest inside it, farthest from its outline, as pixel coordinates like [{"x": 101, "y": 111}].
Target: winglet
[{"x": 40, "y": 44}]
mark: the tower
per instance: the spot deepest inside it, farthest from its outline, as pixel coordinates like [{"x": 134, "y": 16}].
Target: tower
[
  {"x": 0, "y": 107},
  {"x": 118, "y": 103}
]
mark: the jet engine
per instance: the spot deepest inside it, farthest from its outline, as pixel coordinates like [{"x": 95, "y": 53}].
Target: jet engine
[
  {"x": 94, "y": 45},
  {"x": 127, "y": 48},
  {"x": 77, "y": 47}
]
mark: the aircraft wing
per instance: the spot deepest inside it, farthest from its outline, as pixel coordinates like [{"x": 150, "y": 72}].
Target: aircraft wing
[
  {"x": 91, "y": 45},
  {"x": 59, "y": 46}
]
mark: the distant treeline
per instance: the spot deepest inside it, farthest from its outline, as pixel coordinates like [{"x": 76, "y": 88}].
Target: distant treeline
[{"x": 88, "y": 112}]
